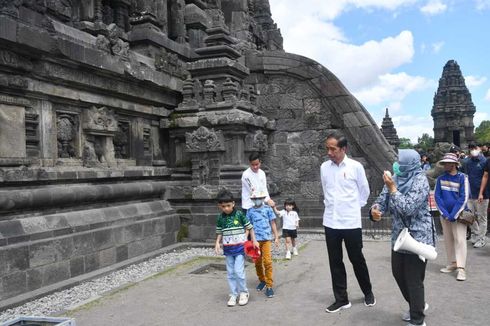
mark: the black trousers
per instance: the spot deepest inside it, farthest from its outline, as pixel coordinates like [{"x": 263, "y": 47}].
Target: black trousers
[
  {"x": 409, "y": 273},
  {"x": 353, "y": 244}
]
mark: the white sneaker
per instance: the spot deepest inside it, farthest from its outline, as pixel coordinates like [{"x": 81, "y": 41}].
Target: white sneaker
[
  {"x": 232, "y": 301},
  {"x": 461, "y": 276},
  {"x": 288, "y": 254},
  {"x": 480, "y": 243},
  {"x": 295, "y": 251},
  {"x": 406, "y": 314},
  {"x": 473, "y": 239},
  {"x": 243, "y": 299}
]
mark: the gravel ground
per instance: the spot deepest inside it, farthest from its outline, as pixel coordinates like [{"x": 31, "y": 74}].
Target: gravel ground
[{"x": 77, "y": 295}]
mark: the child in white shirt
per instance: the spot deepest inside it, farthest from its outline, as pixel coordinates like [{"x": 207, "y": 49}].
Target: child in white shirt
[{"x": 290, "y": 224}]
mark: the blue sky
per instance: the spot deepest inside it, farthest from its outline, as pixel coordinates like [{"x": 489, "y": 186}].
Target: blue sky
[{"x": 390, "y": 53}]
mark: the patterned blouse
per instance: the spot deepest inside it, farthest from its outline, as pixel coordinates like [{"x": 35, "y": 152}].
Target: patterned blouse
[{"x": 411, "y": 208}]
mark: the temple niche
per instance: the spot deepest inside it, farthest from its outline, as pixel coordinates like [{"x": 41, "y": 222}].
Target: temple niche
[
  {"x": 120, "y": 120},
  {"x": 453, "y": 108}
]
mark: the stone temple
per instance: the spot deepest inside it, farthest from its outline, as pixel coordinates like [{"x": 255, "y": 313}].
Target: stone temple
[
  {"x": 453, "y": 109},
  {"x": 121, "y": 119}
]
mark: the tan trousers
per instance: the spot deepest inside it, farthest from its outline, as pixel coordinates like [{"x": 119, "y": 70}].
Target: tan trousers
[
  {"x": 455, "y": 242},
  {"x": 263, "y": 265},
  {"x": 479, "y": 228}
]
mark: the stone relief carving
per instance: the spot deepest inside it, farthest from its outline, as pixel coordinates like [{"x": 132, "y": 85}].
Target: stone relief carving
[
  {"x": 118, "y": 46},
  {"x": 36, "y": 5},
  {"x": 203, "y": 140},
  {"x": 100, "y": 120},
  {"x": 203, "y": 172},
  {"x": 170, "y": 63},
  {"x": 121, "y": 141},
  {"x": 260, "y": 141},
  {"x": 61, "y": 8},
  {"x": 10, "y": 7},
  {"x": 66, "y": 131},
  {"x": 11, "y": 59},
  {"x": 147, "y": 141}
]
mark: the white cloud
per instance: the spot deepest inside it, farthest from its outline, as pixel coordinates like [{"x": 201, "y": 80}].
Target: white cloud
[
  {"x": 482, "y": 4},
  {"x": 479, "y": 117},
  {"x": 409, "y": 126},
  {"x": 436, "y": 47},
  {"x": 433, "y": 7},
  {"x": 487, "y": 95},
  {"x": 474, "y": 81},
  {"x": 392, "y": 88}
]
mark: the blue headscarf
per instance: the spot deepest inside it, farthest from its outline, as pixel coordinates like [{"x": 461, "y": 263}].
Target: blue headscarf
[{"x": 409, "y": 161}]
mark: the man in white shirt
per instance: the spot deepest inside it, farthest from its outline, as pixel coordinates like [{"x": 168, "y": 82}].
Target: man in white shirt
[
  {"x": 254, "y": 180},
  {"x": 346, "y": 190}
]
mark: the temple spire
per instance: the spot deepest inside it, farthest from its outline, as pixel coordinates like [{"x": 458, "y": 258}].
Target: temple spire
[
  {"x": 453, "y": 109},
  {"x": 389, "y": 131}
]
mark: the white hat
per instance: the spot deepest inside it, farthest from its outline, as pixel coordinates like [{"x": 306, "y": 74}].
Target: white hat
[{"x": 258, "y": 194}]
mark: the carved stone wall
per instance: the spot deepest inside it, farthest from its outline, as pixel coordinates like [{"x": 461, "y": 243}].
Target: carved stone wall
[{"x": 117, "y": 116}]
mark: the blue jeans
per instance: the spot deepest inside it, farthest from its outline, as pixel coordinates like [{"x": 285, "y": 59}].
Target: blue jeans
[{"x": 235, "y": 268}]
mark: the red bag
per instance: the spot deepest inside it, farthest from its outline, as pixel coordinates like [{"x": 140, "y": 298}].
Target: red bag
[{"x": 251, "y": 251}]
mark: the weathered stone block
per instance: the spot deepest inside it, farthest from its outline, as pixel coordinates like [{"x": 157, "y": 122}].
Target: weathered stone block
[
  {"x": 91, "y": 262},
  {"x": 56, "y": 272},
  {"x": 34, "y": 278},
  {"x": 14, "y": 283},
  {"x": 103, "y": 239},
  {"x": 133, "y": 232},
  {"x": 17, "y": 259},
  {"x": 122, "y": 253},
  {"x": 12, "y": 134},
  {"x": 77, "y": 266},
  {"x": 48, "y": 252},
  {"x": 11, "y": 228},
  {"x": 83, "y": 244},
  {"x": 107, "y": 257}
]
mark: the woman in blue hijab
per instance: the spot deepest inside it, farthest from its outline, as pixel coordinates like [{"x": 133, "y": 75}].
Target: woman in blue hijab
[{"x": 406, "y": 197}]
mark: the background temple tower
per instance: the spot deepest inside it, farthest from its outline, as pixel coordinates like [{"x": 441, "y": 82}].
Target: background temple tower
[
  {"x": 389, "y": 131},
  {"x": 453, "y": 109}
]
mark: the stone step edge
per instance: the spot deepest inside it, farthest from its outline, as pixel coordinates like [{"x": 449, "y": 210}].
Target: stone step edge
[{"x": 44, "y": 291}]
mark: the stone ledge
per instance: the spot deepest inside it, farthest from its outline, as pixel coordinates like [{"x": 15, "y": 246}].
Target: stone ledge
[{"x": 32, "y": 295}]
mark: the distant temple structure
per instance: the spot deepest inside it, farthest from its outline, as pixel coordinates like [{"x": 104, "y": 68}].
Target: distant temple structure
[
  {"x": 389, "y": 131},
  {"x": 120, "y": 120},
  {"x": 453, "y": 109}
]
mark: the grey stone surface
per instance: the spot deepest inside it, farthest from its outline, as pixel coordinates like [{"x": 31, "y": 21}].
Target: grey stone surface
[{"x": 116, "y": 116}]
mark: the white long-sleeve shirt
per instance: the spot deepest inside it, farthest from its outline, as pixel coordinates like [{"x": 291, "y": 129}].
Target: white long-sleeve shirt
[
  {"x": 345, "y": 190},
  {"x": 251, "y": 182}
]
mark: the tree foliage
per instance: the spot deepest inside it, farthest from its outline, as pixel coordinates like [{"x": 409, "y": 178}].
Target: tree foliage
[
  {"x": 405, "y": 143},
  {"x": 482, "y": 132},
  {"x": 425, "y": 142}
]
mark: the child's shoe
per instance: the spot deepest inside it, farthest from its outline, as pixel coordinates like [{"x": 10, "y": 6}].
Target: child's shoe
[
  {"x": 288, "y": 254},
  {"x": 261, "y": 286},
  {"x": 232, "y": 300},
  {"x": 243, "y": 299},
  {"x": 269, "y": 292},
  {"x": 295, "y": 251}
]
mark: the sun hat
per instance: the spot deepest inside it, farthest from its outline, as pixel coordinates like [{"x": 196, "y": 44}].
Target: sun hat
[{"x": 449, "y": 158}]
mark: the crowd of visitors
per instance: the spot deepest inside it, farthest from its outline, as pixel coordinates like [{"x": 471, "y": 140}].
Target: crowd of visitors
[{"x": 461, "y": 186}]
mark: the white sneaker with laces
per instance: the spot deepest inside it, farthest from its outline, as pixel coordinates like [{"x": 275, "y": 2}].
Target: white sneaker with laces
[
  {"x": 243, "y": 299},
  {"x": 288, "y": 254},
  {"x": 232, "y": 301},
  {"x": 480, "y": 243},
  {"x": 295, "y": 251},
  {"x": 406, "y": 314}
]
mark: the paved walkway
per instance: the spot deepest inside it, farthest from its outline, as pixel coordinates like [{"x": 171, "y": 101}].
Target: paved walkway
[{"x": 303, "y": 291}]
